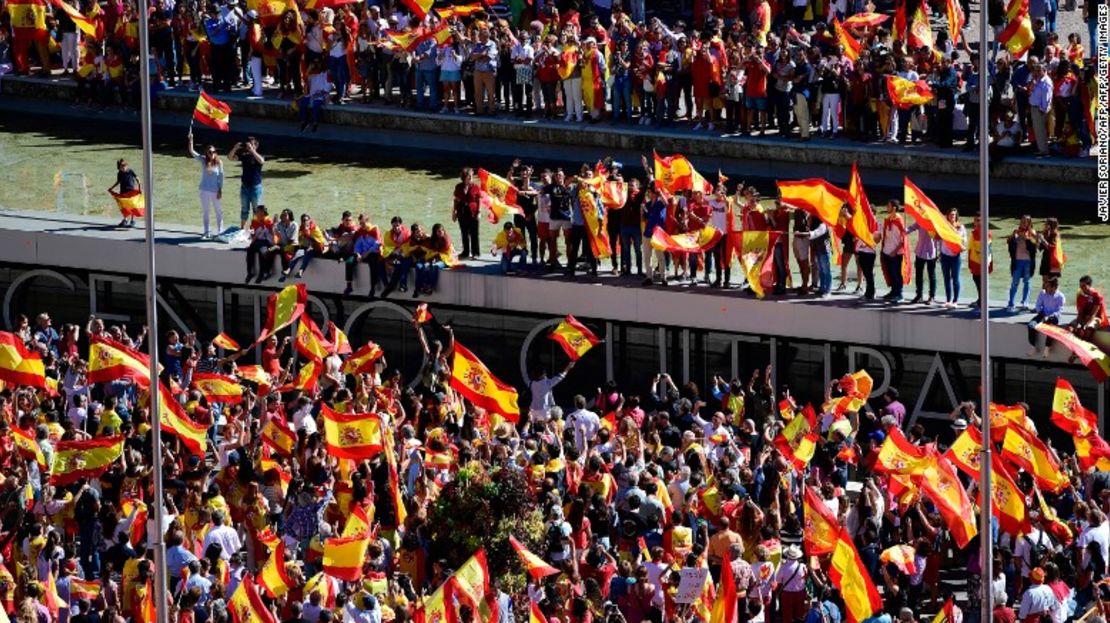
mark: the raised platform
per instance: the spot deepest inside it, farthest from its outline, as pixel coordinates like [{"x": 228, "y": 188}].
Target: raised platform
[{"x": 944, "y": 169}]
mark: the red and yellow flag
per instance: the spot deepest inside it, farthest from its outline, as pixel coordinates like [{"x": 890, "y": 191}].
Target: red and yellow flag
[
  {"x": 819, "y": 198},
  {"x": 756, "y": 255},
  {"x": 74, "y": 460},
  {"x": 279, "y": 435},
  {"x": 1029, "y": 453},
  {"x": 850, "y": 577},
  {"x": 218, "y": 388},
  {"x": 471, "y": 580},
  {"x": 956, "y": 20},
  {"x": 323, "y": 585},
  {"x": 343, "y": 556},
  {"x": 358, "y": 522},
  {"x": 340, "y": 345},
  {"x": 109, "y": 360},
  {"x": 1018, "y": 35},
  {"x": 266, "y": 464},
  {"x": 473, "y": 380},
  {"x": 1005, "y": 416},
  {"x": 419, "y": 7},
  {"x": 724, "y": 606},
  {"x": 310, "y": 340},
  {"x": 908, "y": 93},
  {"x": 964, "y": 453},
  {"x": 274, "y": 578},
  {"x": 1068, "y": 414},
  {"x": 568, "y": 60},
  {"x": 137, "y": 510},
  {"x": 131, "y": 203},
  {"x": 535, "y": 615},
  {"x": 18, "y": 365},
  {"x": 256, "y": 375},
  {"x": 921, "y": 34},
  {"x": 898, "y": 456},
  {"x": 574, "y": 337},
  {"x": 1096, "y": 361},
  {"x": 283, "y": 308},
  {"x": 847, "y": 41},
  {"x": 1007, "y": 501},
  {"x": 800, "y": 451},
  {"x": 696, "y": 241},
  {"x": 354, "y": 436},
  {"x": 865, "y": 20},
  {"x": 28, "y": 446},
  {"x": 901, "y": 556},
  {"x": 460, "y": 10},
  {"x": 28, "y": 17},
  {"x": 675, "y": 173},
  {"x": 863, "y": 224},
  {"x": 174, "y": 420},
  {"x": 82, "y": 22},
  {"x": 822, "y": 529},
  {"x": 1092, "y": 451},
  {"x": 421, "y": 315},
  {"x": 498, "y": 188},
  {"x": 246, "y": 606},
  {"x": 225, "y": 342},
  {"x": 533, "y": 564},
  {"x": 929, "y": 217},
  {"x": 212, "y": 112},
  {"x": 437, "y": 607},
  {"x": 83, "y": 589},
  {"x": 363, "y": 359},
  {"x": 306, "y": 378},
  {"x": 942, "y": 486}
]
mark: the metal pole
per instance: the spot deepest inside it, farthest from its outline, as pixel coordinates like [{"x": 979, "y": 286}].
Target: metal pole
[
  {"x": 160, "y": 587},
  {"x": 986, "y": 544}
]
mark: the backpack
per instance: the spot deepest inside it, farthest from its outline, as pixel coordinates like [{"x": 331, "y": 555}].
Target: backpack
[{"x": 1037, "y": 551}]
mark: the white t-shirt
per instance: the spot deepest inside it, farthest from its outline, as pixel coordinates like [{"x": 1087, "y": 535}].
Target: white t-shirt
[
  {"x": 718, "y": 217},
  {"x": 1100, "y": 535}
]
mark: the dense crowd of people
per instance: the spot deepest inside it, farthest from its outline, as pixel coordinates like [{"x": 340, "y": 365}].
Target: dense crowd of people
[
  {"x": 726, "y": 66},
  {"x": 634, "y": 485}
]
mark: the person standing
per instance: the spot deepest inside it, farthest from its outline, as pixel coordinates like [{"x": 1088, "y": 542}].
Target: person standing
[
  {"x": 256, "y": 46},
  {"x": 583, "y": 198},
  {"x": 250, "y": 192},
  {"x": 572, "y": 82},
  {"x": 818, "y": 238},
  {"x": 1022, "y": 246},
  {"x": 1040, "y": 102},
  {"x": 925, "y": 260},
  {"x": 655, "y": 216},
  {"x": 974, "y": 259},
  {"x": 427, "y": 75},
  {"x": 127, "y": 182},
  {"x": 485, "y": 57},
  {"x": 465, "y": 213},
  {"x": 895, "y": 249},
  {"x": 950, "y": 262},
  {"x": 211, "y": 184},
  {"x": 1052, "y": 249}
]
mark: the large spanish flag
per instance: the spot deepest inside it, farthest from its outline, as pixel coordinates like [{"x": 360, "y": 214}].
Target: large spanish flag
[
  {"x": 18, "y": 365},
  {"x": 174, "y": 420},
  {"x": 471, "y": 580},
  {"x": 354, "y": 436},
  {"x": 1068, "y": 414},
  {"x": 863, "y": 223},
  {"x": 358, "y": 522},
  {"x": 822, "y": 529},
  {"x": 757, "y": 259},
  {"x": 1092, "y": 451},
  {"x": 819, "y": 198},
  {"x": 942, "y": 486},
  {"x": 437, "y": 607},
  {"x": 218, "y": 388},
  {"x": 255, "y": 374},
  {"x": 109, "y": 360},
  {"x": 1007, "y": 501},
  {"x": 28, "y": 17},
  {"x": 898, "y": 456},
  {"x": 497, "y": 187},
  {"x": 343, "y": 556},
  {"x": 82, "y": 22},
  {"x": 246, "y": 606},
  {"x": 929, "y": 217},
  {"x": 675, "y": 173},
  {"x": 907, "y": 93},
  {"x": 279, "y": 435},
  {"x": 574, "y": 337},
  {"x": 533, "y": 564},
  {"x": 310, "y": 340},
  {"x": 28, "y": 446},
  {"x": 689, "y": 242},
  {"x": 83, "y": 589},
  {"x": 274, "y": 578},
  {"x": 850, "y": 44},
  {"x": 363, "y": 359},
  {"x": 850, "y": 577},
  {"x": 283, "y": 308},
  {"x": 471, "y": 378},
  {"x": 724, "y": 605},
  {"x": 964, "y": 453},
  {"x": 921, "y": 33},
  {"x": 1029, "y": 453},
  {"x": 212, "y": 112},
  {"x": 419, "y": 7},
  {"x": 74, "y": 460},
  {"x": 865, "y": 20},
  {"x": 1097, "y": 361},
  {"x": 131, "y": 204},
  {"x": 1017, "y": 36},
  {"x": 1005, "y": 416}
]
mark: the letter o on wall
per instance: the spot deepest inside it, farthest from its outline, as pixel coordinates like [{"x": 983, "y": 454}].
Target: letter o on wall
[
  {"x": 528, "y": 343},
  {"x": 28, "y": 276}
]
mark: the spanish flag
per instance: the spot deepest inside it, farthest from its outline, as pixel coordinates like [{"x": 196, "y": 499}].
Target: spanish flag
[
  {"x": 724, "y": 606},
  {"x": 83, "y": 589},
  {"x": 419, "y": 7},
  {"x": 405, "y": 40},
  {"x": 28, "y": 17},
  {"x": 256, "y": 375},
  {"x": 800, "y": 451},
  {"x": 130, "y": 507},
  {"x": 942, "y": 486},
  {"x": 921, "y": 34},
  {"x": 697, "y": 241},
  {"x": 535, "y": 615},
  {"x": 471, "y": 580},
  {"x": 306, "y": 378},
  {"x": 956, "y": 20},
  {"x": 1092, "y": 451},
  {"x": 822, "y": 528},
  {"x": 74, "y": 460},
  {"x": 819, "y": 198},
  {"x": 1096, "y": 361},
  {"x": 1007, "y": 501},
  {"x": 246, "y": 606},
  {"x": 212, "y": 112},
  {"x": 533, "y": 564},
  {"x": 460, "y": 10},
  {"x": 340, "y": 345},
  {"x": 18, "y": 365},
  {"x": 929, "y": 217},
  {"x": 310, "y": 341},
  {"x": 363, "y": 359},
  {"x": 901, "y": 556},
  {"x": 358, "y": 522},
  {"x": 1018, "y": 34},
  {"x": 947, "y": 613},
  {"x": 343, "y": 556},
  {"x": 278, "y": 435},
  {"x": 757, "y": 259},
  {"x": 850, "y": 577},
  {"x": 865, "y": 20},
  {"x": 1068, "y": 414},
  {"x": 109, "y": 360},
  {"x": 1005, "y": 416},
  {"x": 218, "y": 388},
  {"x": 898, "y": 456},
  {"x": 283, "y": 308},
  {"x": 568, "y": 60},
  {"x": 435, "y": 607},
  {"x": 274, "y": 578},
  {"x": 863, "y": 224},
  {"x": 497, "y": 187},
  {"x": 857, "y": 389},
  {"x": 473, "y": 380},
  {"x": 675, "y": 173},
  {"x": 1030, "y": 454},
  {"x": 28, "y": 446},
  {"x": 79, "y": 19},
  {"x": 907, "y": 93},
  {"x": 267, "y": 464},
  {"x": 225, "y": 342},
  {"x": 574, "y": 337},
  {"x": 131, "y": 204},
  {"x": 322, "y": 584},
  {"x": 354, "y": 436},
  {"x": 964, "y": 453},
  {"x": 399, "y": 509},
  {"x": 174, "y": 420},
  {"x": 848, "y": 42},
  {"x": 421, "y": 315}
]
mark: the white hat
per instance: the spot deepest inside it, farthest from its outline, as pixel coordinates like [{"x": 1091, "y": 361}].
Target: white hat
[
  {"x": 792, "y": 552},
  {"x": 590, "y": 40},
  {"x": 959, "y": 424}
]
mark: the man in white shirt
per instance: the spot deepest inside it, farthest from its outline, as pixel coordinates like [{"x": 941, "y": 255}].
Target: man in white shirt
[
  {"x": 1027, "y": 544},
  {"x": 226, "y": 536},
  {"x": 1097, "y": 531},
  {"x": 585, "y": 424},
  {"x": 539, "y": 411},
  {"x": 371, "y": 613},
  {"x": 1038, "y": 598},
  {"x": 1040, "y": 102}
]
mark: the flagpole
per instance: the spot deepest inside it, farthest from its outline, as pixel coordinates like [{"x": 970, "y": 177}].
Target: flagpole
[
  {"x": 986, "y": 542},
  {"x": 160, "y": 587}
]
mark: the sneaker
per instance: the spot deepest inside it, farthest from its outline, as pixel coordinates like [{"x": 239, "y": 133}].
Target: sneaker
[
  {"x": 566, "y": 119},
  {"x": 1024, "y": 307},
  {"x": 1010, "y": 309}
]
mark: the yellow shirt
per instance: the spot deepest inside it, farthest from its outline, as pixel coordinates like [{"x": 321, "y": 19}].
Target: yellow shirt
[{"x": 508, "y": 240}]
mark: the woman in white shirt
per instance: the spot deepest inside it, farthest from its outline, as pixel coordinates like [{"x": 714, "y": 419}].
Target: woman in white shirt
[
  {"x": 950, "y": 261},
  {"x": 450, "y": 60},
  {"x": 337, "y": 59}
]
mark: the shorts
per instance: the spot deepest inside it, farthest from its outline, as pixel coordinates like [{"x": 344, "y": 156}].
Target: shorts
[
  {"x": 543, "y": 230},
  {"x": 755, "y": 103},
  {"x": 250, "y": 197},
  {"x": 557, "y": 225},
  {"x": 450, "y": 76}
]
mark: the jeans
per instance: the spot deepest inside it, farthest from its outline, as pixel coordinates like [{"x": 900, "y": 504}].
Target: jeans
[
  {"x": 824, "y": 271},
  {"x": 304, "y": 256},
  {"x": 340, "y": 75},
  {"x": 920, "y": 265},
  {"x": 867, "y": 266},
  {"x": 630, "y": 241},
  {"x": 427, "y": 275},
  {"x": 892, "y": 266},
  {"x": 622, "y": 98},
  {"x": 377, "y": 269},
  {"x": 507, "y": 259},
  {"x": 259, "y": 249},
  {"x": 580, "y": 247},
  {"x": 427, "y": 78},
  {"x": 782, "y": 273},
  {"x": 1023, "y": 272},
  {"x": 249, "y": 198},
  {"x": 950, "y": 273},
  {"x": 309, "y": 107}
]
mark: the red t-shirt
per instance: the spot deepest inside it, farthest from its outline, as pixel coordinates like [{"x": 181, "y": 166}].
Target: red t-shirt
[
  {"x": 757, "y": 71},
  {"x": 271, "y": 363}
]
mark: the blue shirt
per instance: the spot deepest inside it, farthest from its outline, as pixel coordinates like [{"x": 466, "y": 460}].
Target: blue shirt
[
  {"x": 1049, "y": 305},
  {"x": 427, "y": 46},
  {"x": 367, "y": 244},
  {"x": 177, "y": 558},
  {"x": 656, "y": 213},
  {"x": 217, "y": 31}
]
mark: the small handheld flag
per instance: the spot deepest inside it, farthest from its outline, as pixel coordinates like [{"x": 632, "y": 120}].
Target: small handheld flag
[
  {"x": 422, "y": 315},
  {"x": 574, "y": 337},
  {"x": 212, "y": 112},
  {"x": 225, "y": 342}
]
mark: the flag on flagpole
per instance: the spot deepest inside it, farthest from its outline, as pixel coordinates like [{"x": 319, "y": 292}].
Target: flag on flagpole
[
  {"x": 74, "y": 460},
  {"x": 474, "y": 381},
  {"x": 574, "y": 337},
  {"x": 212, "y": 112},
  {"x": 354, "y": 436},
  {"x": 18, "y": 364},
  {"x": 225, "y": 342},
  {"x": 283, "y": 308}
]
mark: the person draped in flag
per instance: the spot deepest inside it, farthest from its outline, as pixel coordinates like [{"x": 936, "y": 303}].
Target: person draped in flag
[
  {"x": 1051, "y": 245},
  {"x": 127, "y": 182}
]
